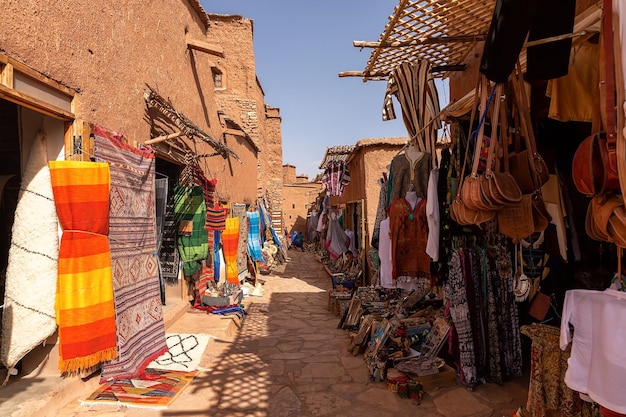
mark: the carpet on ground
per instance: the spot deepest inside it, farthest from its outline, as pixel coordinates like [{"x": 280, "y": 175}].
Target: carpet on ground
[
  {"x": 184, "y": 352},
  {"x": 154, "y": 389}
]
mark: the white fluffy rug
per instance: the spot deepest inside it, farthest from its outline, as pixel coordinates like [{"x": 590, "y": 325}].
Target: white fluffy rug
[
  {"x": 28, "y": 317},
  {"x": 184, "y": 352}
]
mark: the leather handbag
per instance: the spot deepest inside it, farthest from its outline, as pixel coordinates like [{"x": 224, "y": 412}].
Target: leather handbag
[
  {"x": 460, "y": 212},
  {"x": 476, "y": 189},
  {"x": 527, "y": 166},
  {"x": 499, "y": 188},
  {"x": 515, "y": 220},
  {"x": 594, "y": 166}
]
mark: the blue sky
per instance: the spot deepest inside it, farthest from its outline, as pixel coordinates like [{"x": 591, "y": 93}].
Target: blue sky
[{"x": 300, "y": 47}]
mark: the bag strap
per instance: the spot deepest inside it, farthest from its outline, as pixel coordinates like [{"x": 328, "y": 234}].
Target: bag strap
[
  {"x": 484, "y": 105},
  {"x": 525, "y": 123},
  {"x": 497, "y": 89},
  {"x": 462, "y": 174},
  {"x": 609, "y": 72},
  {"x": 505, "y": 133}
]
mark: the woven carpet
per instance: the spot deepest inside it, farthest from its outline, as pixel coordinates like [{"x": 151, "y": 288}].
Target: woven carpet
[
  {"x": 84, "y": 304},
  {"x": 152, "y": 389},
  {"x": 184, "y": 352},
  {"x": 31, "y": 274},
  {"x": 230, "y": 245},
  {"x": 132, "y": 233}
]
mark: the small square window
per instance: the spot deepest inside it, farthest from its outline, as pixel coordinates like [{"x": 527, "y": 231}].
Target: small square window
[{"x": 217, "y": 77}]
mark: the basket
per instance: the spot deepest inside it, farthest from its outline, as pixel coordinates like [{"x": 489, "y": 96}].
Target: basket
[{"x": 340, "y": 279}]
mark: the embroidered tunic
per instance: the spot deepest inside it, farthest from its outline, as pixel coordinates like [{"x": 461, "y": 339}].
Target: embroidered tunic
[
  {"x": 404, "y": 173},
  {"x": 409, "y": 233}
]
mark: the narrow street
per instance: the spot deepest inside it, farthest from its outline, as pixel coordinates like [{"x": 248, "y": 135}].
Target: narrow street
[{"x": 289, "y": 359}]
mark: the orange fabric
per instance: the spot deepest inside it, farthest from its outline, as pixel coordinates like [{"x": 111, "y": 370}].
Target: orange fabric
[
  {"x": 230, "y": 243},
  {"x": 84, "y": 305}
]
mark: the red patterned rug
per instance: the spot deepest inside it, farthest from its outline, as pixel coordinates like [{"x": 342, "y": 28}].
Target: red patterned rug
[
  {"x": 153, "y": 389},
  {"x": 132, "y": 234}
]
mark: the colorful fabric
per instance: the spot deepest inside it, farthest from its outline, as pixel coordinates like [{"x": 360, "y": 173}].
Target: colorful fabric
[
  {"x": 230, "y": 244},
  {"x": 168, "y": 255},
  {"x": 413, "y": 85},
  {"x": 217, "y": 242},
  {"x": 152, "y": 389},
  {"x": 409, "y": 234},
  {"x": 190, "y": 209},
  {"x": 254, "y": 236},
  {"x": 240, "y": 210},
  {"x": 336, "y": 177},
  {"x": 215, "y": 218},
  {"x": 84, "y": 307},
  {"x": 28, "y": 316},
  {"x": 138, "y": 308},
  {"x": 547, "y": 389}
]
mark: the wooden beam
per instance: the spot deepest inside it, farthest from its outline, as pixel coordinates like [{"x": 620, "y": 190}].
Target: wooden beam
[
  {"x": 34, "y": 104},
  {"x": 202, "y": 46},
  {"x": 6, "y": 75},
  {"x": 439, "y": 68},
  {"x": 555, "y": 38},
  {"x": 421, "y": 41},
  {"x": 163, "y": 138}
]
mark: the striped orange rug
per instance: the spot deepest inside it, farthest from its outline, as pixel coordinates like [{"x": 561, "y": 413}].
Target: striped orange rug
[
  {"x": 230, "y": 243},
  {"x": 84, "y": 304}
]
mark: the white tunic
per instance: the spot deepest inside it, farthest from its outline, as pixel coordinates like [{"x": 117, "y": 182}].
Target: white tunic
[
  {"x": 432, "y": 216},
  {"x": 597, "y": 365},
  {"x": 384, "y": 253}
]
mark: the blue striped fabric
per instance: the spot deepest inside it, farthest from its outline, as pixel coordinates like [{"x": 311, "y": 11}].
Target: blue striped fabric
[{"x": 254, "y": 236}]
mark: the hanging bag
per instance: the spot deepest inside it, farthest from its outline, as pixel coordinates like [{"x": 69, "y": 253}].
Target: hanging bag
[
  {"x": 459, "y": 211},
  {"x": 594, "y": 166},
  {"x": 499, "y": 188},
  {"x": 473, "y": 194},
  {"x": 527, "y": 166}
]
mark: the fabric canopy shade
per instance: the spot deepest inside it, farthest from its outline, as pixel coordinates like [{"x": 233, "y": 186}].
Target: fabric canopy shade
[
  {"x": 414, "y": 87},
  {"x": 84, "y": 307}
]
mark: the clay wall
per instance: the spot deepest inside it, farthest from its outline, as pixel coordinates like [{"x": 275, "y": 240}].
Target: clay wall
[{"x": 109, "y": 51}]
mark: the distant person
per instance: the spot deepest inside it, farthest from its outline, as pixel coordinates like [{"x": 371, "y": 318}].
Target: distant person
[{"x": 298, "y": 240}]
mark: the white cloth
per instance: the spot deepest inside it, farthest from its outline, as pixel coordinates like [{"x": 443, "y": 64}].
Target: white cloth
[
  {"x": 432, "y": 216},
  {"x": 597, "y": 364},
  {"x": 351, "y": 245},
  {"x": 384, "y": 253},
  {"x": 554, "y": 202}
]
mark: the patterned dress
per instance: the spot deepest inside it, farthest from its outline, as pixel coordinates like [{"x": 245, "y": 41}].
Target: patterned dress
[{"x": 409, "y": 234}]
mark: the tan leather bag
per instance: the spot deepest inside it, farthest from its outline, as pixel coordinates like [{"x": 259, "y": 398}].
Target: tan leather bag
[
  {"x": 527, "y": 167},
  {"x": 516, "y": 220},
  {"x": 499, "y": 188},
  {"x": 460, "y": 211},
  {"x": 473, "y": 193}
]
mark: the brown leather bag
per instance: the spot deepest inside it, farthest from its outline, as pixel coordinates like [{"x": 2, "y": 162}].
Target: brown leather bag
[
  {"x": 476, "y": 193},
  {"x": 516, "y": 220},
  {"x": 594, "y": 167},
  {"x": 499, "y": 188},
  {"x": 460, "y": 211},
  {"x": 527, "y": 166}
]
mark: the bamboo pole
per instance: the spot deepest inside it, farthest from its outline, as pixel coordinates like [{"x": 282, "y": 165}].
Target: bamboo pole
[
  {"x": 421, "y": 41},
  {"x": 163, "y": 138}
]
